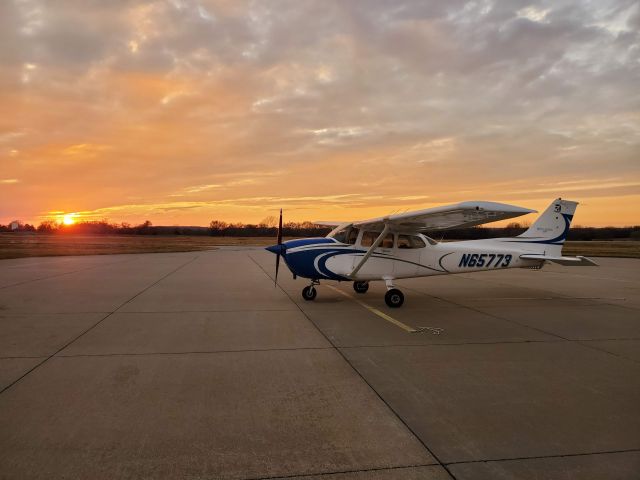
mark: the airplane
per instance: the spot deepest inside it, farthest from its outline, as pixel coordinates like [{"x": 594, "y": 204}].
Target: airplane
[{"x": 396, "y": 246}]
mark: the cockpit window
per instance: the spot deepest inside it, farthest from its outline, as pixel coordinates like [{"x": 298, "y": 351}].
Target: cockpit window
[
  {"x": 352, "y": 236},
  {"x": 368, "y": 238},
  {"x": 340, "y": 235},
  {"x": 347, "y": 234}
]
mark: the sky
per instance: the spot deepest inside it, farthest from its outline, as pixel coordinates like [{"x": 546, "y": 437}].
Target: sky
[{"x": 184, "y": 111}]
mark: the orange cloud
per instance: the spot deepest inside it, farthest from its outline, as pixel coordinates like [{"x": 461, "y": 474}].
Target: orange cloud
[{"x": 181, "y": 112}]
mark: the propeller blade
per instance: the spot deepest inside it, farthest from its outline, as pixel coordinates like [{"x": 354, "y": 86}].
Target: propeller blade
[
  {"x": 280, "y": 229},
  {"x": 279, "y": 248}
]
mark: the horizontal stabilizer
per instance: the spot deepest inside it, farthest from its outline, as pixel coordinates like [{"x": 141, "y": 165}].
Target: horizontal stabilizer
[{"x": 578, "y": 261}]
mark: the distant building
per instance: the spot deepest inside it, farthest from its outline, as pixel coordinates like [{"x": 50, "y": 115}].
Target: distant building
[{"x": 15, "y": 225}]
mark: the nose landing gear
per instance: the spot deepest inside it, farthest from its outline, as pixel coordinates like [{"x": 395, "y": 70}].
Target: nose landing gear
[
  {"x": 361, "y": 287},
  {"x": 309, "y": 292}
]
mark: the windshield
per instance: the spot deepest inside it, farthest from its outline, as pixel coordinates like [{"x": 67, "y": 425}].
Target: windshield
[{"x": 347, "y": 234}]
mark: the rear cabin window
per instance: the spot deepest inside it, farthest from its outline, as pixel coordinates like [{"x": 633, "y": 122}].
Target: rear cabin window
[
  {"x": 387, "y": 242},
  {"x": 410, "y": 241}
]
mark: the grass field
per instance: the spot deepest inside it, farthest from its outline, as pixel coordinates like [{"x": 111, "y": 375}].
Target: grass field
[
  {"x": 14, "y": 245},
  {"x": 33, "y": 245}
]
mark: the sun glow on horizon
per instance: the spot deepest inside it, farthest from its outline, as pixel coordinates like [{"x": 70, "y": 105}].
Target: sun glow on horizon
[{"x": 68, "y": 219}]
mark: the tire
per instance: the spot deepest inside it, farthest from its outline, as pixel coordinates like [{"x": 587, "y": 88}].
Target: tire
[
  {"x": 361, "y": 287},
  {"x": 394, "y": 298},
  {"x": 309, "y": 293}
]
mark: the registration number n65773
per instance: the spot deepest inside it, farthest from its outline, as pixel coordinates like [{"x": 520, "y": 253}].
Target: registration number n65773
[{"x": 486, "y": 260}]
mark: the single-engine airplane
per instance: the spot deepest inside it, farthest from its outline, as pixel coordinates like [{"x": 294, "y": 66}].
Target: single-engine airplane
[{"x": 396, "y": 246}]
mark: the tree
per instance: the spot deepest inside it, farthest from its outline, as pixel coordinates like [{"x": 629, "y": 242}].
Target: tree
[
  {"x": 218, "y": 225},
  {"x": 269, "y": 222},
  {"x": 48, "y": 226}
]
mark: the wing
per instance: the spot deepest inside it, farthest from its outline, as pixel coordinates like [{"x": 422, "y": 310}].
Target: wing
[
  {"x": 459, "y": 215},
  {"x": 324, "y": 223}
]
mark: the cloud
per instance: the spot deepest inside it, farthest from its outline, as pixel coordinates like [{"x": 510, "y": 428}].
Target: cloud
[{"x": 205, "y": 100}]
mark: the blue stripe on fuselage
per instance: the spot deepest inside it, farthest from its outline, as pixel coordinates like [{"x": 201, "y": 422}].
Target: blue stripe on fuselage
[
  {"x": 302, "y": 263},
  {"x": 300, "y": 242},
  {"x": 559, "y": 240}
]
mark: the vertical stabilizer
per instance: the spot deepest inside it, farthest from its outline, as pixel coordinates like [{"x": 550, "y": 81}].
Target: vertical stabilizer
[{"x": 551, "y": 228}]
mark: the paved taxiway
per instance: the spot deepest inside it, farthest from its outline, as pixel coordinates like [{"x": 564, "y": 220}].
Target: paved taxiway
[{"x": 194, "y": 365}]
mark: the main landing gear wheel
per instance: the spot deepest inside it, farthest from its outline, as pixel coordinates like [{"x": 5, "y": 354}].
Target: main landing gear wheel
[
  {"x": 394, "y": 298},
  {"x": 361, "y": 287},
  {"x": 309, "y": 293}
]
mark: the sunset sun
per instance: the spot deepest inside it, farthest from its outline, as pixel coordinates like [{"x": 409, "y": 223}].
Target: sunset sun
[{"x": 68, "y": 219}]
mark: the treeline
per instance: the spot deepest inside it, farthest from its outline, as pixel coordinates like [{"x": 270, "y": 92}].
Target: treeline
[
  {"x": 219, "y": 228},
  {"x": 216, "y": 228}
]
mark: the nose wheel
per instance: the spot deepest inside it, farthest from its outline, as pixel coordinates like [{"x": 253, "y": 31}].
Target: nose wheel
[
  {"x": 309, "y": 292},
  {"x": 361, "y": 287}
]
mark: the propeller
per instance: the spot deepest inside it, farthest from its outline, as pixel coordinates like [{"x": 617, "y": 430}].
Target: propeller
[{"x": 279, "y": 252}]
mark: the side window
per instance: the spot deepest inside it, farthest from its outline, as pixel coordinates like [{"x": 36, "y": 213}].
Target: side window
[
  {"x": 353, "y": 235},
  {"x": 404, "y": 241},
  {"x": 368, "y": 238},
  {"x": 410, "y": 241},
  {"x": 418, "y": 242},
  {"x": 387, "y": 242}
]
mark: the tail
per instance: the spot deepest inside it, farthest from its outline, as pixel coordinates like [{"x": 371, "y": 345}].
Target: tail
[{"x": 551, "y": 228}]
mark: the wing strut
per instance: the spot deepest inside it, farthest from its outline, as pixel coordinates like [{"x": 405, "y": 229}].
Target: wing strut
[{"x": 378, "y": 241}]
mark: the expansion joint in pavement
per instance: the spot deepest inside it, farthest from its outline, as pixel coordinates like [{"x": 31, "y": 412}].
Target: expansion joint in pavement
[
  {"x": 539, "y": 457},
  {"x": 38, "y": 365},
  {"x": 497, "y": 317},
  {"x": 194, "y": 352},
  {"x": 62, "y": 274},
  {"x": 342, "y": 472},
  {"x": 357, "y": 372}
]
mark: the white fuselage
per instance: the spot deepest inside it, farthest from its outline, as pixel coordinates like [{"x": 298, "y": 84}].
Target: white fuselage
[{"x": 331, "y": 259}]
